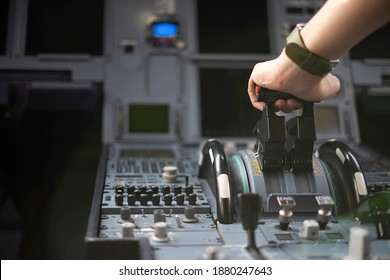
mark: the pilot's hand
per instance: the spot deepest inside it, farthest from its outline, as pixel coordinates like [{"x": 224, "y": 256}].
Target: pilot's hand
[{"x": 283, "y": 75}]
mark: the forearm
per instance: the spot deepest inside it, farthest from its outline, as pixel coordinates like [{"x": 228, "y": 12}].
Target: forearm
[{"x": 341, "y": 24}]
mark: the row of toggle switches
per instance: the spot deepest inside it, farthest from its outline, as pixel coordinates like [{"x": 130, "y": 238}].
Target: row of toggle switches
[{"x": 144, "y": 194}]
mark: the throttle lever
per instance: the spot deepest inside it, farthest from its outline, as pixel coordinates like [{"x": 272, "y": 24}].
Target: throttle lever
[
  {"x": 270, "y": 96},
  {"x": 284, "y": 144}
]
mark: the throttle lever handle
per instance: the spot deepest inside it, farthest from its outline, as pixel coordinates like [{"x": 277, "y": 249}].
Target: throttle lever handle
[{"x": 268, "y": 95}]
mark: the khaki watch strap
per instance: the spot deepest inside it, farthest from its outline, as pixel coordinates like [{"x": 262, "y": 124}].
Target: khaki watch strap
[{"x": 308, "y": 61}]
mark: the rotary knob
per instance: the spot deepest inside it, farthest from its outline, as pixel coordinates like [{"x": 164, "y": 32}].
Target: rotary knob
[
  {"x": 127, "y": 229},
  {"x": 160, "y": 232},
  {"x": 159, "y": 216},
  {"x": 169, "y": 174},
  {"x": 189, "y": 215},
  {"x": 125, "y": 213}
]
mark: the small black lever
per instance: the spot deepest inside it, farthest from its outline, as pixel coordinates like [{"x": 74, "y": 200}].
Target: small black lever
[{"x": 248, "y": 207}]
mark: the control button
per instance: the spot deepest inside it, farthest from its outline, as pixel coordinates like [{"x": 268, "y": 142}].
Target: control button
[
  {"x": 192, "y": 199},
  {"x": 125, "y": 213},
  {"x": 137, "y": 194},
  {"x": 130, "y": 189},
  {"x": 119, "y": 199},
  {"x": 211, "y": 253},
  {"x": 180, "y": 199},
  {"x": 189, "y": 215},
  {"x": 131, "y": 199},
  {"x": 160, "y": 232},
  {"x": 149, "y": 193},
  {"x": 143, "y": 189},
  {"x": 189, "y": 189},
  {"x": 166, "y": 190},
  {"x": 156, "y": 199},
  {"x": 119, "y": 189},
  {"x": 159, "y": 216},
  {"x": 177, "y": 190},
  {"x": 168, "y": 199},
  {"x": 143, "y": 199},
  {"x": 127, "y": 229},
  {"x": 155, "y": 189},
  {"x": 310, "y": 230}
]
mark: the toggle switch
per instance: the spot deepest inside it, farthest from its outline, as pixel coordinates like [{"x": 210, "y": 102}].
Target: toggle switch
[
  {"x": 285, "y": 213},
  {"x": 178, "y": 221},
  {"x": 325, "y": 202}
]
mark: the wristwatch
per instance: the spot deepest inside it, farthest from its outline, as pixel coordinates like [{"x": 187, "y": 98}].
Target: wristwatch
[{"x": 308, "y": 61}]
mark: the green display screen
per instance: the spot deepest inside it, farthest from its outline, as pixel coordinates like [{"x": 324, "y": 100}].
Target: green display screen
[{"x": 148, "y": 119}]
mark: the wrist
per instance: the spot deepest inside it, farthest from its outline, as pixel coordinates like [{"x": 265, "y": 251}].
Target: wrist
[
  {"x": 310, "y": 62},
  {"x": 289, "y": 77}
]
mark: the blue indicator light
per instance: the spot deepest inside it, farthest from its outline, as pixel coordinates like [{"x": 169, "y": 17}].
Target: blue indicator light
[{"x": 165, "y": 29}]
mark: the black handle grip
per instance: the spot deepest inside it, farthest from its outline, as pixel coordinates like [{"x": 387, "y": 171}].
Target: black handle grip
[
  {"x": 248, "y": 206},
  {"x": 268, "y": 95}
]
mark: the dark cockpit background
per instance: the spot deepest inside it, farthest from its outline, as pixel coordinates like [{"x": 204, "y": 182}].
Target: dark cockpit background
[{"x": 51, "y": 137}]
